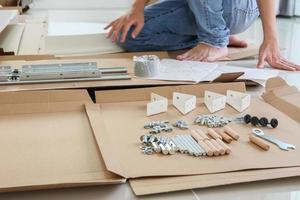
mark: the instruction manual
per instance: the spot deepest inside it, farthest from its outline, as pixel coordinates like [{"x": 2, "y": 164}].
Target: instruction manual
[
  {"x": 194, "y": 71},
  {"x": 174, "y": 70}
]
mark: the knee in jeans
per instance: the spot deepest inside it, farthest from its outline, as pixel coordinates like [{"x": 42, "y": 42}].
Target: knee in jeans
[{"x": 243, "y": 16}]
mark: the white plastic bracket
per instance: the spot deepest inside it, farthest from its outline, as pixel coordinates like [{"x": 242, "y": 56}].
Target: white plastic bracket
[
  {"x": 158, "y": 104},
  {"x": 185, "y": 103},
  {"x": 214, "y": 101},
  {"x": 238, "y": 100}
]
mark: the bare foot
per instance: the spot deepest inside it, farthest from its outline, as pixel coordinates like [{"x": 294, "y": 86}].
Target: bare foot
[
  {"x": 204, "y": 52},
  {"x": 235, "y": 41}
]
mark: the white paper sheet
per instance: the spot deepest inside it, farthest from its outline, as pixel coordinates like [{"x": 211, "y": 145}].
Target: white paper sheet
[
  {"x": 174, "y": 70},
  {"x": 194, "y": 71}
]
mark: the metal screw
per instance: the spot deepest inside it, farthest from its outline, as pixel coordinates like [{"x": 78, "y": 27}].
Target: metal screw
[
  {"x": 195, "y": 150},
  {"x": 190, "y": 151},
  {"x": 196, "y": 145}
]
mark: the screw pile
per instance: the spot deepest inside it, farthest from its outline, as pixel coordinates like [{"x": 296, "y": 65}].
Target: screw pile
[
  {"x": 181, "y": 124},
  {"x": 158, "y": 127},
  {"x": 211, "y": 121},
  {"x": 184, "y": 144}
]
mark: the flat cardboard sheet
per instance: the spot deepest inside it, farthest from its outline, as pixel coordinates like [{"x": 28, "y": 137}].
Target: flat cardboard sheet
[
  {"x": 130, "y": 117},
  {"x": 146, "y": 186},
  {"x": 46, "y": 141}
]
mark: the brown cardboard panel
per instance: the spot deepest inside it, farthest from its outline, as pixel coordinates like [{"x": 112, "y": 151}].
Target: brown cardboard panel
[
  {"x": 228, "y": 77},
  {"x": 131, "y": 116},
  {"x": 47, "y": 142},
  {"x": 283, "y": 97},
  {"x": 129, "y": 55},
  {"x": 146, "y": 186},
  {"x": 26, "y": 57}
]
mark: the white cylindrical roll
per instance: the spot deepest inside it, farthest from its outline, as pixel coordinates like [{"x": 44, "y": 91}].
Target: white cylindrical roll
[{"x": 146, "y": 66}]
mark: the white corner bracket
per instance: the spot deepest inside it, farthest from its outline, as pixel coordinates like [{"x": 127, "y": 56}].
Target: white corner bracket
[
  {"x": 238, "y": 100},
  {"x": 185, "y": 103},
  {"x": 214, "y": 101},
  {"x": 158, "y": 104}
]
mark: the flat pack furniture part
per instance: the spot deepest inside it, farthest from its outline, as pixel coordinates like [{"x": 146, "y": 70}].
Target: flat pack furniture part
[
  {"x": 68, "y": 72},
  {"x": 238, "y": 100},
  {"x": 185, "y": 103},
  {"x": 158, "y": 104},
  {"x": 127, "y": 157},
  {"x": 80, "y": 44},
  {"x": 214, "y": 101},
  {"x": 6, "y": 16},
  {"x": 11, "y": 36},
  {"x": 49, "y": 142}
]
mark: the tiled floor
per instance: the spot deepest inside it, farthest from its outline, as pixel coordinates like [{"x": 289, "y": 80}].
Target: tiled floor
[{"x": 284, "y": 189}]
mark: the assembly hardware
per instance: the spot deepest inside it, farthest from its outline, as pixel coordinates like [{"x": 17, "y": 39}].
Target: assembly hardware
[
  {"x": 280, "y": 144},
  {"x": 211, "y": 121},
  {"x": 181, "y": 124},
  {"x": 158, "y": 127},
  {"x": 53, "y": 73},
  {"x": 195, "y": 144},
  {"x": 255, "y": 121},
  {"x": 193, "y": 149}
]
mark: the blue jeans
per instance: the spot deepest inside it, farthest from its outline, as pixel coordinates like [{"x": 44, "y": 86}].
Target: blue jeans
[{"x": 179, "y": 24}]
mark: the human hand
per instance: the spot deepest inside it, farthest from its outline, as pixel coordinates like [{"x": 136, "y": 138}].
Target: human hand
[
  {"x": 205, "y": 53},
  {"x": 135, "y": 17},
  {"x": 269, "y": 52}
]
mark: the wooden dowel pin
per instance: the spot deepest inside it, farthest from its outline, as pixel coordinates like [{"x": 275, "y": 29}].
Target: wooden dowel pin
[
  {"x": 231, "y": 132},
  {"x": 224, "y": 136},
  {"x": 259, "y": 142}
]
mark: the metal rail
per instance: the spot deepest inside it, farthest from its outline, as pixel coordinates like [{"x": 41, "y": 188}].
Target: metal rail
[{"x": 55, "y": 73}]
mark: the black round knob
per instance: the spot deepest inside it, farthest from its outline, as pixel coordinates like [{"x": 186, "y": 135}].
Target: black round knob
[
  {"x": 247, "y": 119},
  {"x": 263, "y": 121},
  {"x": 274, "y": 123},
  {"x": 254, "y": 121}
]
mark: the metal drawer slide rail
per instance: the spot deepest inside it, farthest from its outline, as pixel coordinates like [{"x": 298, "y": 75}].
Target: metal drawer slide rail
[{"x": 54, "y": 73}]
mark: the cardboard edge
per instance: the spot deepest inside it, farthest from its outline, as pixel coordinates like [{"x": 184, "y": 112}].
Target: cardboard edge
[
  {"x": 276, "y": 88},
  {"x": 172, "y": 184},
  {"x": 97, "y": 123},
  {"x": 275, "y": 82},
  {"x": 68, "y": 184},
  {"x": 143, "y": 94}
]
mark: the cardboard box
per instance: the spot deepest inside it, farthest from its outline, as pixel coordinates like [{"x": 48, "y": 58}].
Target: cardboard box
[
  {"x": 47, "y": 141},
  {"x": 127, "y": 109}
]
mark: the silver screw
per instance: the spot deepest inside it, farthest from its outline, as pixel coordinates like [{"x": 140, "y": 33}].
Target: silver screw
[
  {"x": 195, "y": 150},
  {"x": 182, "y": 146},
  {"x": 163, "y": 149},
  {"x": 195, "y": 144},
  {"x": 178, "y": 144},
  {"x": 186, "y": 145}
]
